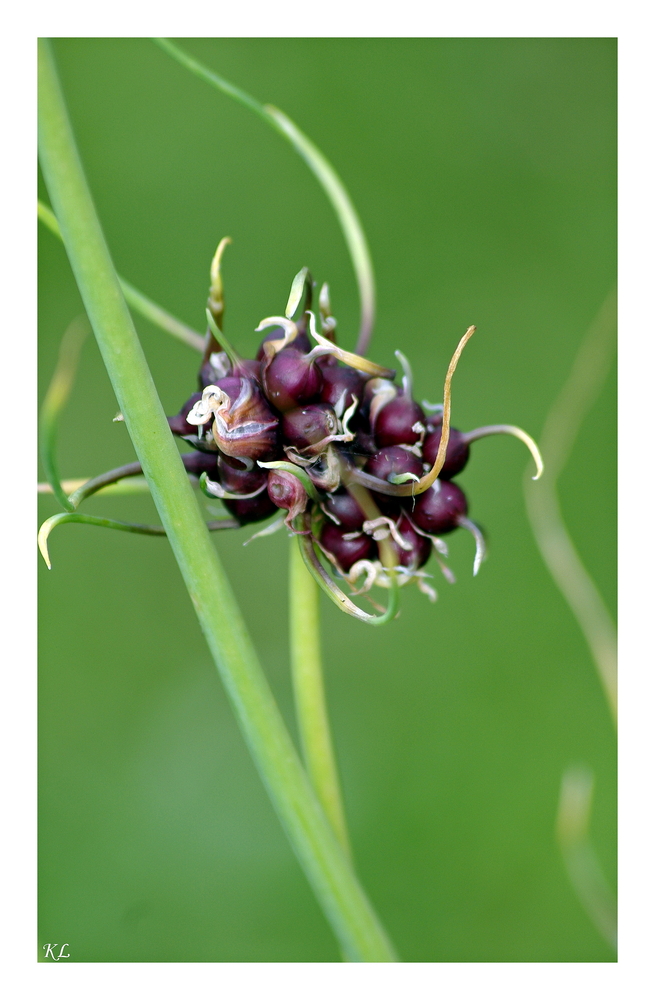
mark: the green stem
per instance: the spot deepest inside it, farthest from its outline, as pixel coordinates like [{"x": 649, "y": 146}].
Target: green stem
[
  {"x": 122, "y": 487},
  {"x": 309, "y": 693},
  {"x": 322, "y": 169},
  {"x": 136, "y": 299},
  {"x": 67, "y": 517},
  {"x": 328, "y": 870}
]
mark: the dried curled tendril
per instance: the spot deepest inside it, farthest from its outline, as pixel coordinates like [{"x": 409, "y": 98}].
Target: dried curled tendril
[{"x": 362, "y": 473}]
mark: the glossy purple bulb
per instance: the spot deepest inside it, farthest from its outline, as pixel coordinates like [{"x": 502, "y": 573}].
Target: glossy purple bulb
[
  {"x": 197, "y": 462},
  {"x": 235, "y": 478},
  {"x": 438, "y": 510},
  {"x": 254, "y": 509},
  {"x": 325, "y": 361},
  {"x": 457, "y": 452},
  {"x": 346, "y": 509},
  {"x": 394, "y": 422},
  {"x": 393, "y": 461},
  {"x": 421, "y": 547},
  {"x": 290, "y": 380},
  {"x": 341, "y": 386},
  {"x": 347, "y": 551},
  {"x": 309, "y": 425}
]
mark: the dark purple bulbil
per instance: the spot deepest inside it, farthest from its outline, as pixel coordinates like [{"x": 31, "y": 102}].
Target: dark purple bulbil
[
  {"x": 394, "y": 422},
  {"x": 290, "y": 380},
  {"x": 439, "y": 509},
  {"x": 325, "y": 361},
  {"x": 255, "y": 509},
  {"x": 286, "y": 491},
  {"x": 309, "y": 425},
  {"x": 235, "y": 478},
  {"x": 347, "y": 551},
  {"x": 341, "y": 385},
  {"x": 393, "y": 461},
  {"x": 346, "y": 509},
  {"x": 284, "y": 405},
  {"x": 457, "y": 452},
  {"x": 421, "y": 548},
  {"x": 197, "y": 462}
]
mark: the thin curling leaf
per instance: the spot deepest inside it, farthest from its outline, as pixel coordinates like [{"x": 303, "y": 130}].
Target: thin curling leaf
[
  {"x": 408, "y": 377},
  {"x": 297, "y": 288},
  {"x": 516, "y": 432},
  {"x": 129, "y": 487},
  {"x": 354, "y": 475},
  {"x": 106, "y": 522},
  {"x": 351, "y": 226},
  {"x": 116, "y": 480},
  {"x": 137, "y": 300},
  {"x": 354, "y": 360},
  {"x": 233, "y": 355},
  {"x": 290, "y": 333},
  {"x": 334, "y": 592},
  {"x": 480, "y": 543},
  {"x": 296, "y": 471},
  {"x": 324, "y": 172},
  {"x": 55, "y": 400},
  {"x": 563, "y": 421},
  {"x": 216, "y": 302},
  {"x": 91, "y": 486},
  {"x": 328, "y": 322},
  {"x": 427, "y": 481}
]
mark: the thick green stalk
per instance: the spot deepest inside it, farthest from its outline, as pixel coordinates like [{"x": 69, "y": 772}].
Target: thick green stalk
[
  {"x": 340, "y": 895},
  {"x": 309, "y": 693}
]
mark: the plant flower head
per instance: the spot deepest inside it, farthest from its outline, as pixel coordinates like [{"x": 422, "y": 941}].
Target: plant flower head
[{"x": 363, "y": 472}]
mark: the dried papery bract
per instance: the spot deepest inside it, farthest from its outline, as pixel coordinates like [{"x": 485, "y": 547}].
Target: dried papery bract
[{"x": 244, "y": 426}]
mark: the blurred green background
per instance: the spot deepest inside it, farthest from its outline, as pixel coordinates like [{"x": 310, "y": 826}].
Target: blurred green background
[{"x": 484, "y": 174}]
